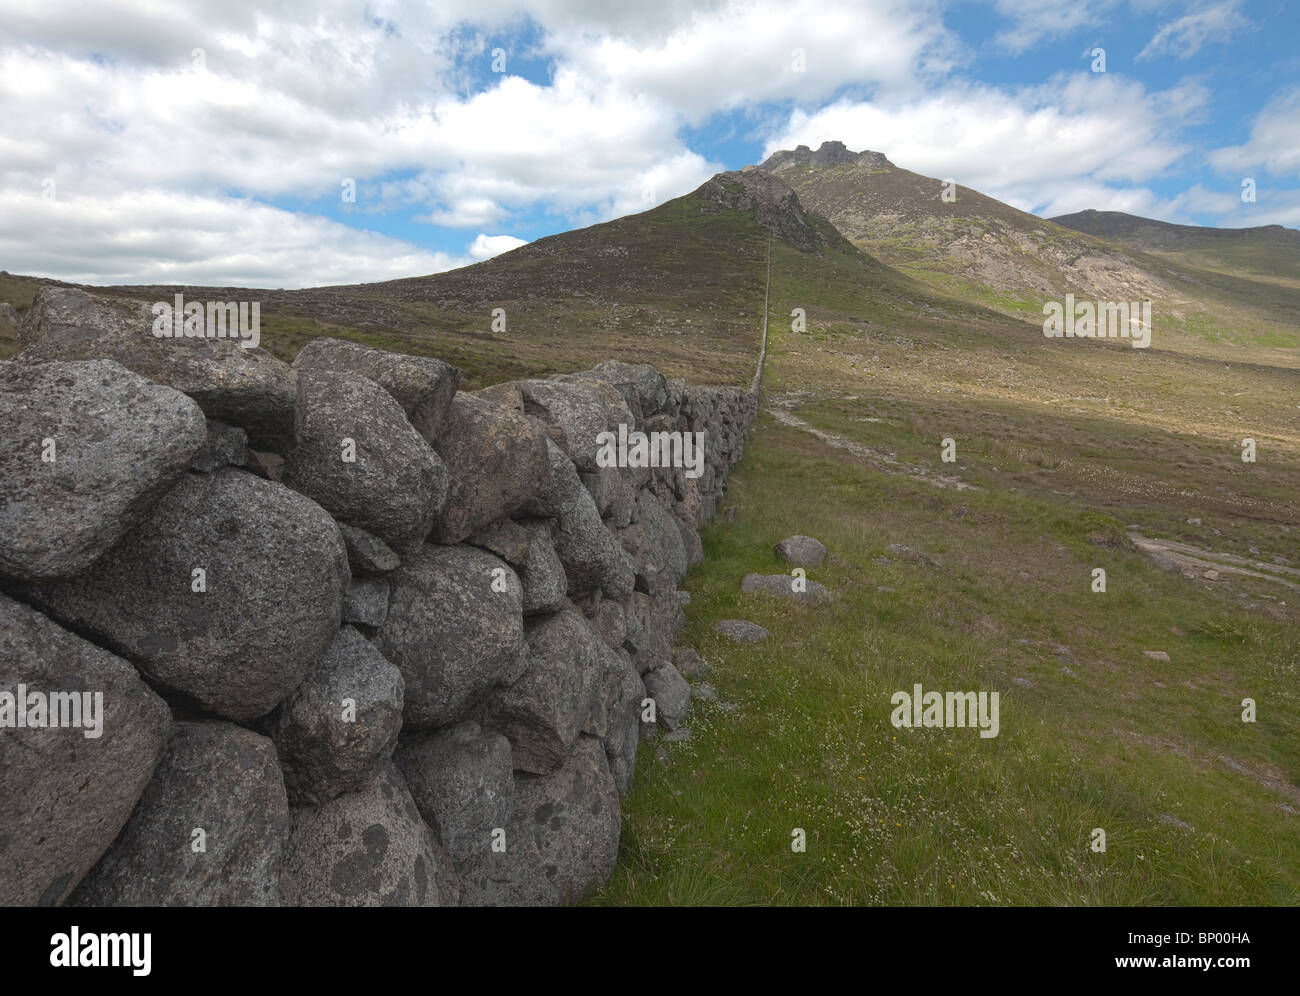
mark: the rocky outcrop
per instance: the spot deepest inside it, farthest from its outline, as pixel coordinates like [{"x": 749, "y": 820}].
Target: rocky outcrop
[
  {"x": 418, "y": 678},
  {"x": 827, "y": 156}
]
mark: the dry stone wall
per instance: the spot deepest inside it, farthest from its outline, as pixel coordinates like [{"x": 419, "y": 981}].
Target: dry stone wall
[{"x": 335, "y": 633}]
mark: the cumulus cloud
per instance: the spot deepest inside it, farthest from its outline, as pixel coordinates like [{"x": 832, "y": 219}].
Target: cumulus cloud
[
  {"x": 486, "y": 246},
  {"x": 160, "y": 237},
  {"x": 1026, "y": 147},
  {"x": 1274, "y": 141},
  {"x": 182, "y": 133}
]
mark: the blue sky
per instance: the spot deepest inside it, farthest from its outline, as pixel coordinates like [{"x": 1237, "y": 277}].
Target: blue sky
[{"x": 209, "y": 143}]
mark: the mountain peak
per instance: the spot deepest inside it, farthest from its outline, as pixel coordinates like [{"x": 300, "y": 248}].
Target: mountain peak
[
  {"x": 775, "y": 205},
  {"x": 828, "y": 155}
]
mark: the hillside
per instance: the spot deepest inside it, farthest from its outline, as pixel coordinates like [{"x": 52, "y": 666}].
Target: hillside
[
  {"x": 679, "y": 285},
  {"x": 1265, "y": 252},
  {"x": 982, "y": 250}
]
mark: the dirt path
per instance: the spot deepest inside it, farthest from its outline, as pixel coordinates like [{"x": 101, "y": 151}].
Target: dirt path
[
  {"x": 1193, "y": 561},
  {"x": 877, "y": 459}
]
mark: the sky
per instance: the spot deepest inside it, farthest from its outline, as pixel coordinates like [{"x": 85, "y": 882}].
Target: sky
[{"x": 332, "y": 141}]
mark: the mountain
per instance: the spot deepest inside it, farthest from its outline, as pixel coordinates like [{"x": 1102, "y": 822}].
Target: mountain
[
  {"x": 1209, "y": 288},
  {"x": 1266, "y": 252},
  {"x": 680, "y": 285},
  {"x": 972, "y": 244}
]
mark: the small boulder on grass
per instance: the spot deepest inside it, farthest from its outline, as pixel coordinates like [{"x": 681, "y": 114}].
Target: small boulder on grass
[
  {"x": 786, "y": 586},
  {"x": 801, "y": 551},
  {"x": 741, "y": 630}
]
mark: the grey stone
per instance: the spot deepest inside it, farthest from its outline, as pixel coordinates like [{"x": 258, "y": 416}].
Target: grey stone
[
  {"x": 649, "y": 385},
  {"x": 655, "y": 545},
  {"x": 561, "y": 489},
  {"x": 507, "y": 538},
  {"x": 678, "y": 736},
  {"x": 421, "y": 385},
  {"x": 268, "y": 465},
  {"x": 119, "y": 442},
  {"x": 573, "y": 816},
  {"x": 801, "y": 551},
  {"x": 340, "y": 726},
  {"x": 368, "y": 555},
  {"x": 611, "y": 622},
  {"x": 574, "y": 415},
  {"x": 395, "y": 486},
  {"x": 622, "y": 695},
  {"x": 513, "y": 877},
  {"x": 656, "y": 622},
  {"x": 1156, "y": 655},
  {"x": 691, "y": 542},
  {"x": 67, "y": 795},
  {"x": 705, "y": 692},
  {"x": 688, "y": 663},
  {"x": 543, "y": 712},
  {"x": 741, "y": 630},
  {"x": 591, "y": 557},
  {"x": 215, "y": 777},
  {"x": 541, "y": 574},
  {"x": 225, "y": 446},
  {"x": 365, "y": 848},
  {"x": 249, "y": 388},
  {"x": 463, "y": 782},
  {"x": 452, "y": 636},
  {"x": 783, "y": 586},
  {"x": 671, "y": 693},
  {"x": 276, "y": 571},
  {"x": 497, "y": 460},
  {"x": 366, "y": 602}
]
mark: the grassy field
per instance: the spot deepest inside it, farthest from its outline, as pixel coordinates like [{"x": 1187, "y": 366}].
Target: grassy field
[
  {"x": 1065, "y": 449},
  {"x": 1198, "y": 806}
]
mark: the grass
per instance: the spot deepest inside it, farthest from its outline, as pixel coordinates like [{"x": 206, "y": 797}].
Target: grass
[
  {"x": 1155, "y": 754},
  {"x": 1067, "y": 448}
]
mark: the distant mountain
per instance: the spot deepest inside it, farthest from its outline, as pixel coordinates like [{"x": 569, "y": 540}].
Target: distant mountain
[
  {"x": 1147, "y": 233},
  {"x": 971, "y": 245},
  {"x": 1214, "y": 284},
  {"x": 1267, "y": 251}
]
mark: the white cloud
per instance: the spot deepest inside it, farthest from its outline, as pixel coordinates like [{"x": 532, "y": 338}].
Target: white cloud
[
  {"x": 1036, "y": 21},
  {"x": 108, "y": 101},
  {"x": 486, "y": 246},
  {"x": 1274, "y": 141},
  {"x": 158, "y": 237},
  {"x": 743, "y": 53},
  {"x": 1184, "y": 36},
  {"x": 1025, "y": 147}
]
